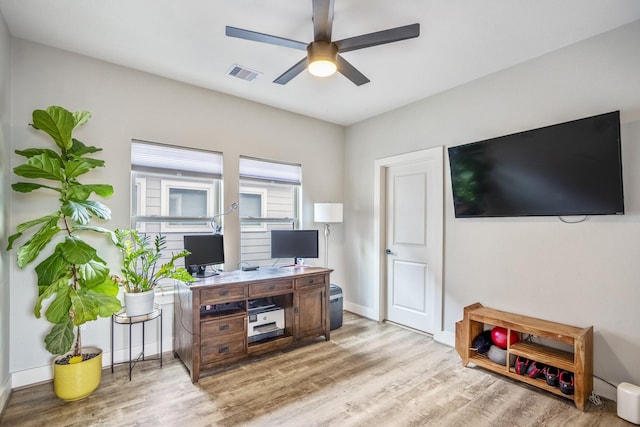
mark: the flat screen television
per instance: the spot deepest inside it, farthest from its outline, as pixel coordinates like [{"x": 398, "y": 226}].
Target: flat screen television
[
  {"x": 294, "y": 244},
  {"x": 206, "y": 249},
  {"x": 572, "y": 168}
]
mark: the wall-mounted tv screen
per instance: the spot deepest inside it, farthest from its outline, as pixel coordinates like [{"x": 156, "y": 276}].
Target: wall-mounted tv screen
[
  {"x": 572, "y": 168},
  {"x": 206, "y": 249},
  {"x": 294, "y": 244}
]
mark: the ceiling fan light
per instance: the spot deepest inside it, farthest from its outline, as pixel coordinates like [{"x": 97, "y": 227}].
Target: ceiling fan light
[
  {"x": 322, "y": 58},
  {"x": 322, "y": 68}
]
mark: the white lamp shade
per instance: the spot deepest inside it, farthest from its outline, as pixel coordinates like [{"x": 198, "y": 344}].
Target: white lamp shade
[{"x": 327, "y": 212}]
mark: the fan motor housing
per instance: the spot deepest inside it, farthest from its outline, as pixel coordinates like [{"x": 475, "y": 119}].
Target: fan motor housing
[{"x": 321, "y": 50}]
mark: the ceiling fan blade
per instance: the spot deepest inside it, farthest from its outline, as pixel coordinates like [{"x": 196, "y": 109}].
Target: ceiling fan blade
[
  {"x": 292, "y": 72},
  {"x": 322, "y": 20},
  {"x": 264, "y": 38},
  {"x": 350, "y": 72},
  {"x": 380, "y": 37}
]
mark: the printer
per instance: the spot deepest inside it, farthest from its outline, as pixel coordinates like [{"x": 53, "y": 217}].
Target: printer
[{"x": 266, "y": 320}]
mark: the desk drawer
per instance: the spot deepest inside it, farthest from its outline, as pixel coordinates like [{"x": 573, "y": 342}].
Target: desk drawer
[
  {"x": 319, "y": 279},
  {"x": 212, "y": 350},
  {"x": 270, "y": 288},
  {"x": 221, "y": 327},
  {"x": 223, "y": 293}
]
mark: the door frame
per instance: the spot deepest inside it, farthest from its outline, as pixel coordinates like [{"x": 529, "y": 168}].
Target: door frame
[{"x": 379, "y": 233}]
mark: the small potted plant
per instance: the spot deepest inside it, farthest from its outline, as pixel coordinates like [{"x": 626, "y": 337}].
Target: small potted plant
[
  {"x": 74, "y": 284},
  {"x": 141, "y": 269}
]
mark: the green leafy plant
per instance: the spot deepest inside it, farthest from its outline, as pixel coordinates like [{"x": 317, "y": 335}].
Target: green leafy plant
[
  {"x": 73, "y": 279},
  {"x": 141, "y": 258}
]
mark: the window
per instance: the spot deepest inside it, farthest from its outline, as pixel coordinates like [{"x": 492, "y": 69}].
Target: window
[
  {"x": 175, "y": 191},
  {"x": 186, "y": 199},
  {"x": 253, "y": 204},
  {"x": 269, "y": 199}
]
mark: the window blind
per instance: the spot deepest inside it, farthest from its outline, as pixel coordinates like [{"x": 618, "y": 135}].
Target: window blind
[
  {"x": 167, "y": 159},
  {"x": 275, "y": 172}
]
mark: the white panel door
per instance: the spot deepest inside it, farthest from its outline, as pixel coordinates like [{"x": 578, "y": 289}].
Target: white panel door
[{"x": 414, "y": 239}]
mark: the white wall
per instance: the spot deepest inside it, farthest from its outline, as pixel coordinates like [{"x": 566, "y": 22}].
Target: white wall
[
  {"x": 582, "y": 274},
  {"x": 5, "y": 149},
  {"x": 128, "y": 104}
]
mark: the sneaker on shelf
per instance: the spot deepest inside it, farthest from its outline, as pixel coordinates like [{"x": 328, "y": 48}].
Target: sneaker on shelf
[
  {"x": 551, "y": 375},
  {"x": 536, "y": 370},
  {"x": 565, "y": 382},
  {"x": 522, "y": 365}
]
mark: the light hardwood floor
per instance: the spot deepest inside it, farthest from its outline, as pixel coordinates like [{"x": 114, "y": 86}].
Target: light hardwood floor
[{"x": 369, "y": 374}]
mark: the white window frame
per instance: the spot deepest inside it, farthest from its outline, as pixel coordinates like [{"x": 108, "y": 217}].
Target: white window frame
[
  {"x": 165, "y": 188},
  {"x": 258, "y": 226},
  {"x": 141, "y": 202}
]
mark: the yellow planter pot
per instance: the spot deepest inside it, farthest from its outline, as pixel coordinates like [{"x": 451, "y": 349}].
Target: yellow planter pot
[{"x": 77, "y": 380}]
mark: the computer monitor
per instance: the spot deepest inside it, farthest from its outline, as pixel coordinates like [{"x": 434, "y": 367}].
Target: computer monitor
[
  {"x": 294, "y": 244},
  {"x": 206, "y": 249}
]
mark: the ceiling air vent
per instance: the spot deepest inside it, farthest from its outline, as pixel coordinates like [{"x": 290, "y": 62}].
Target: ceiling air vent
[{"x": 242, "y": 73}]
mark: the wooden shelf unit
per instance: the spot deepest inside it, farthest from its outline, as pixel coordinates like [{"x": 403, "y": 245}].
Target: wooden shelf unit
[
  {"x": 204, "y": 340},
  {"x": 579, "y": 361}
]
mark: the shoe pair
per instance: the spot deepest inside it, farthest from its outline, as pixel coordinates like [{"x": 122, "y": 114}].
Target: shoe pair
[
  {"x": 561, "y": 379},
  {"x": 530, "y": 368}
]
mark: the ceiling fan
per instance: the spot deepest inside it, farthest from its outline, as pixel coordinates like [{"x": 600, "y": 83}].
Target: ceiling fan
[{"x": 323, "y": 55}]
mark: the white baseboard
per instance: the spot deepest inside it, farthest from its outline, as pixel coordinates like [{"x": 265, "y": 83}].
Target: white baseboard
[
  {"x": 31, "y": 376},
  {"x": 5, "y": 394},
  {"x": 442, "y": 337},
  {"x": 445, "y": 337},
  {"x": 604, "y": 389},
  {"x": 44, "y": 373},
  {"x": 122, "y": 355},
  {"x": 361, "y": 310}
]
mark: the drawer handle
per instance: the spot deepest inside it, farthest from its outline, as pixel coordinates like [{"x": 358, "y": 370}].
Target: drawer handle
[
  {"x": 272, "y": 287},
  {"x": 311, "y": 281},
  {"x": 224, "y": 292},
  {"x": 224, "y": 349},
  {"x": 223, "y": 327}
]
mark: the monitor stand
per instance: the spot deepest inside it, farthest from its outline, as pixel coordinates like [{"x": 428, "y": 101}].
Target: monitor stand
[
  {"x": 296, "y": 264},
  {"x": 201, "y": 272}
]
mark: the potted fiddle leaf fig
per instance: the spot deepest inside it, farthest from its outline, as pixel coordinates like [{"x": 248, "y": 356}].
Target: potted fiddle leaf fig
[
  {"x": 142, "y": 268},
  {"x": 74, "y": 284}
]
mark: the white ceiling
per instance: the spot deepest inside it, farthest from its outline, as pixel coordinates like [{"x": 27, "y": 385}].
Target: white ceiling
[{"x": 461, "y": 40}]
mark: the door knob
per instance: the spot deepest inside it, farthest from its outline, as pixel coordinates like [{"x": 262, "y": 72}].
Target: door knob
[{"x": 388, "y": 252}]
